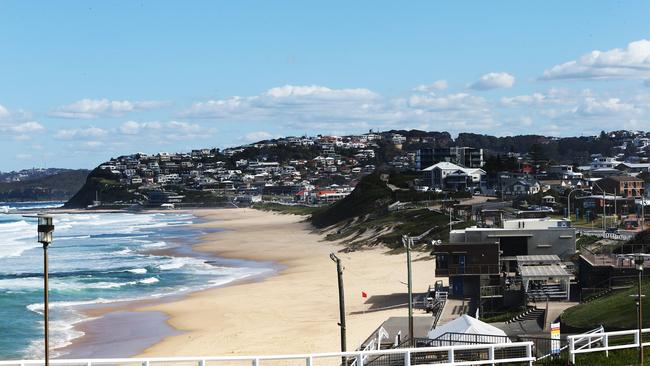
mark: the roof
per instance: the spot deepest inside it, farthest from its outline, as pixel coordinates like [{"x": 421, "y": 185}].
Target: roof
[
  {"x": 624, "y": 178},
  {"x": 545, "y": 270},
  {"x": 467, "y": 325},
  {"x": 635, "y": 165},
  {"x": 445, "y": 165},
  {"x": 542, "y": 258}
]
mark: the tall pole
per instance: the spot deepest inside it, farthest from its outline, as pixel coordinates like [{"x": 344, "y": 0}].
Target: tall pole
[
  {"x": 638, "y": 261},
  {"x": 46, "y": 306},
  {"x": 339, "y": 272},
  {"x": 640, "y": 319},
  {"x": 604, "y": 209},
  {"x": 409, "y": 242},
  {"x": 568, "y": 205},
  {"x": 615, "y": 221},
  {"x": 643, "y": 211}
]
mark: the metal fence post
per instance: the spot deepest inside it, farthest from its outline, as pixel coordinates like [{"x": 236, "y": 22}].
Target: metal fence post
[
  {"x": 256, "y": 362},
  {"x": 309, "y": 361},
  {"x": 491, "y": 354},
  {"x": 529, "y": 353},
  {"x": 450, "y": 355},
  {"x": 360, "y": 359},
  {"x": 606, "y": 344},
  {"x": 201, "y": 362},
  {"x": 572, "y": 349},
  {"x": 145, "y": 363},
  {"x": 407, "y": 358}
]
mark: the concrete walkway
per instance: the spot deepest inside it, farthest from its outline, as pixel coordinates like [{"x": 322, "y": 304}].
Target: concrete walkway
[
  {"x": 555, "y": 309},
  {"x": 454, "y": 308}
]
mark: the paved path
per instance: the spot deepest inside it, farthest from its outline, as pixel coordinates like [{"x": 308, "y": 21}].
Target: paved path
[
  {"x": 454, "y": 308},
  {"x": 555, "y": 309}
]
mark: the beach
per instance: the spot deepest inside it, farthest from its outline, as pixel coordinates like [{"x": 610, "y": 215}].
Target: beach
[{"x": 295, "y": 310}]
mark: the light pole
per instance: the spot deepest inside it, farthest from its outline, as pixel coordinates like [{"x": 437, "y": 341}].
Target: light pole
[
  {"x": 568, "y": 203},
  {"x": 45, "y": 229},
  {"x": 339, "y": 272},
  {"x": 408, "y": 243},
  {"x": 638, "y": 261},
  {"x": 604, "y": 204}
]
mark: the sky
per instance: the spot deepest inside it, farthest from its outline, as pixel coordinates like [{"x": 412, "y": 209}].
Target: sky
[{"x": 84, "y": 81}]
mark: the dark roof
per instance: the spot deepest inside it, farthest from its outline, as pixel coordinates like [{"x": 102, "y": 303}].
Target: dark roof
[{"x": 622, "y": 178}]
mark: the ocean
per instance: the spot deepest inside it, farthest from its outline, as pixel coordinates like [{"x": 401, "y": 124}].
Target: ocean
[{"x": 96, "y": 258}]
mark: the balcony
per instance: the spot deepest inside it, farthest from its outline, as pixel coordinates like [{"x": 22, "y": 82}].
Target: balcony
[{"x": 468, "y": 270}]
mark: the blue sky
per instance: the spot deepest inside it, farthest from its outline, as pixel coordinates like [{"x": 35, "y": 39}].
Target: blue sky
[{"x": 83, "y": 81}]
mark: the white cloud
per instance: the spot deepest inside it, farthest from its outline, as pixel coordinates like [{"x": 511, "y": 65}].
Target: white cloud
[
  {"x": 605, "y": 107},
  {"x": 494, "y": 80},
  {"x": 4, "y": 112},
  {"x": 96, "y": 108},
  {"x": 287, "y": 100},
  {"x": 24, "y": 127},
  {"x": 258, "y": 136},
  {"x": 134, "y": 128},
  {"x": 633, "y": 62},
  {"x": 447, "y": 102},
  {"x": 552, "y": 96},
  {"x": 437, "y": 85},
  {"x": 80, "y": 133}
]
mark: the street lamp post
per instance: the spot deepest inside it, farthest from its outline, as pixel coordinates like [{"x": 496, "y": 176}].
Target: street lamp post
[
  {"x": 638, "y": 261},
  {"x": 568, "y": 203},
  {"x": 408, "y": 244},
  {"x": 45, "y": 229},
  {"x": 604, "y": 205},
  {"x": 339, "y": 273}
]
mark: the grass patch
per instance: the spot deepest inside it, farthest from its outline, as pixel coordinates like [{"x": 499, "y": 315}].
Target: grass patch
[
  {"x": 621, "y": 357},
  {"x": 502, "y": 316},
  {"x": 287, "y": 209},
  {"x": 615, "y": 312},
  {"x": 586, "y": 240}
]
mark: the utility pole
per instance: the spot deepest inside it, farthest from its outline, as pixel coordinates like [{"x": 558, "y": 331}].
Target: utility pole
[
  {"x": 638, "y": 261},
  {"x": 615, "y": 211},
  {"x": 339, "y": 272},
  {"x": 408, "y": 243}
]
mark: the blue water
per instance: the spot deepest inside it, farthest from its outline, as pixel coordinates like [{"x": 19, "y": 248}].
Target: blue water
[{"x": 95, "y": 258}]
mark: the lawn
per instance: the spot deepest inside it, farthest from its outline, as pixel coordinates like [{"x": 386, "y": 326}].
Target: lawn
[{"x": 615, "y": 312}]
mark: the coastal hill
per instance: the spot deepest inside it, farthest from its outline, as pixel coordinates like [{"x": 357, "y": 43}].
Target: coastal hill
[
  {"x": 320, "y": 169},
  {"x": 41, "y": 184},
  {"x": 373, "y": 214}
]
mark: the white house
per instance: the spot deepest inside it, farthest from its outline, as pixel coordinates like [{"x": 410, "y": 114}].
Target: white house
[{"x": 451, "y": 176}]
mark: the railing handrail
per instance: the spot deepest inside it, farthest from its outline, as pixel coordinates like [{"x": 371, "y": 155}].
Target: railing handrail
[
  {"x": 308, "y": 357},
  {"x": 604, "y": 338}
]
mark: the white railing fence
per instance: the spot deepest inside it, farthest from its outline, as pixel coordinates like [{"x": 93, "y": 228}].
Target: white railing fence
[
  {"x": 478, "y": 354},
  {"x": 604, "y": 342},
  {"x": 581, "y": 341}
]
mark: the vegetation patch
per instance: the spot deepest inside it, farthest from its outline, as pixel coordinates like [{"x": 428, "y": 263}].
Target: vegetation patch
[
  {"x": 300, "y": 210},
  {"x": 615, "y": 312}
]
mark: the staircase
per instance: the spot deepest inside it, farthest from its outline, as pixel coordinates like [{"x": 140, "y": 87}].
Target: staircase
[
  {"x": 547, "y": 291},
  {"x": 530, "y": 314}
]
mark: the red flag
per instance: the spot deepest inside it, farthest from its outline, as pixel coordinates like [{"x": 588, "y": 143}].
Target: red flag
[{"x": 364, "y": 294}]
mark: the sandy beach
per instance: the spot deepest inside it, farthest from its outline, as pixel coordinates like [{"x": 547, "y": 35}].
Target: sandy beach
[
  {"x": 292, "y": 311},
  {"x": 295, "y": 311}
]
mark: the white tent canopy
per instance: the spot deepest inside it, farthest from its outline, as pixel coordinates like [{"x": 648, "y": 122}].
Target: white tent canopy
[{"x": 468, "y": 325}]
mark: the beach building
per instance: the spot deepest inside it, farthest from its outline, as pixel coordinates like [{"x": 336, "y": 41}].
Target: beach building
[{"x": 536, "y": 236}]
